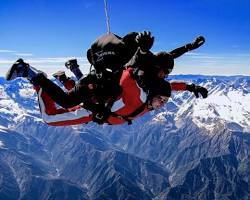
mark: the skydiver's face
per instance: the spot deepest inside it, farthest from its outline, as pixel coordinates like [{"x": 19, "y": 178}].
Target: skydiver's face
[
  {"x": 163, "y": 73},
  {"x": 158, "y": 101}
]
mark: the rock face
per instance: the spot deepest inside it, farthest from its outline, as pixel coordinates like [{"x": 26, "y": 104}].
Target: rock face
[
  {"x": 190, "y": 149},
  {"x": 28, "y": 173}
]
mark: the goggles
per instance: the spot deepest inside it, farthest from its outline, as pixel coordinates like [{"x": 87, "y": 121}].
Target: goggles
[{"x": 168, "y": 70}]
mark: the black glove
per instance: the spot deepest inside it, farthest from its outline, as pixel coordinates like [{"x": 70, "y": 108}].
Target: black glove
[
  {"x": 197, "y": 90},
  {"x": 145, "y": 40},
  {"x": 200, "y": 40},
  {"x": 71, "y": 64},
  {"x": 101, "y": 116}
]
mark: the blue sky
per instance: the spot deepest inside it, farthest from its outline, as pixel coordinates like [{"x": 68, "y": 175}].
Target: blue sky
[{"x": 48, "y": 32}]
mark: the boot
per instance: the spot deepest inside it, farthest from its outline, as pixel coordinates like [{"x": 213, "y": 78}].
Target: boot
[
  {"x": 74, "y": 68},
  {"x": 22, "y": 69},
  {"x": 18, "y": 69},
  {"x": 61, "y": 76}
]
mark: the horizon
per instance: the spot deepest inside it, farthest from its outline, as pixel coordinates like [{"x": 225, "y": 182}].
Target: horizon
[
  {"x": 46, "y": 36},
  {"x": 171, "y": 75}
]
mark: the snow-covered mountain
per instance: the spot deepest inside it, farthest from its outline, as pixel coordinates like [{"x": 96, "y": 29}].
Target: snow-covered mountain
[
  {"x": 228, "y": 102},
  {"x": 190, "y": 149}
]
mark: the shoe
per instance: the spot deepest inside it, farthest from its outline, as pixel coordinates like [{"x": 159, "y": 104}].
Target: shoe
[
  {"x": 71, "y": 64},
  {"x": 61, "y": 76},
  {"x": 18, "y": 69}
]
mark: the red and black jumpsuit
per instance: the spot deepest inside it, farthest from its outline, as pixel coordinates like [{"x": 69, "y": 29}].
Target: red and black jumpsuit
[{"x": 132, "y": 98}]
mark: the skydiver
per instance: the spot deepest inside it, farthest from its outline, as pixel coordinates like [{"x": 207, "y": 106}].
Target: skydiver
[{"x": 148, "y": 65}]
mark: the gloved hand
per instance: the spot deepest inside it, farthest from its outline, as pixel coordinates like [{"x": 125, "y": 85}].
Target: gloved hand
[
  {"x": 200, "y": 40},
  {"x": 102, "y": 116},
  {"x": 72, "y": 63},
  {"x": 145, "y": 40},
  {"x": 197, "y": 90}
]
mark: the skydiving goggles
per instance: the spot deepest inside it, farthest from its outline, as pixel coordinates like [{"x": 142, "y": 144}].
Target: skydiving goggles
[{"x": 166, "y": 70}]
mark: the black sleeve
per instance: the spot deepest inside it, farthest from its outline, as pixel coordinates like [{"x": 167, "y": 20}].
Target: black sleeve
[
  {"x": 130, "y": 45},
  {"x": 129, "y": 39},
  {"x": 178, "y": 52},
  {"x": 141, "y": 60}
]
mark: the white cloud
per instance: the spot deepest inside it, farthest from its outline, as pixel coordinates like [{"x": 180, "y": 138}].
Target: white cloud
[
  {"x": 193, "y": 54},
  {"x": 24, "y": 54},
  {"x": 49, "y": 60},
  {"x": 6, "y": 51},
  {"x": 55, "y": 60},
  {"x": 5, "y": 61},
  {"x": 190, "y": 63},
  {"x": 1, "y": 144},
  {"x": 243, "y": 55}
]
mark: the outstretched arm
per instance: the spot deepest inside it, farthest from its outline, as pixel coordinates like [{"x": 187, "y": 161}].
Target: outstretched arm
[
  {"x": 141, "y": 59},
  {"x": 197, "y": 90},
  {"x": 200, "y": 40},
  {"x": 142, "y": 43}
]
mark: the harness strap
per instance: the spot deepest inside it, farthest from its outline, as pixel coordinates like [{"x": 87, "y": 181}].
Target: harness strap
[{"x": 131, "y": 115}]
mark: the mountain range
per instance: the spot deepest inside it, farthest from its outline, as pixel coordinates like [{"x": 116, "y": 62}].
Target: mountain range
[{"x": 190, "y": 149}]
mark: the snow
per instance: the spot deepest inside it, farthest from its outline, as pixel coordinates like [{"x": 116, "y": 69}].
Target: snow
[
  {"x": 160, "y": 117},
  {"x": 225, "y": 105},
  {"x": 17, "y": 101},
  {"x": 228, "y": 101},
  {"x": 1, "y": 144},
  {"x": 2, "y": 93},
  {"x": 3, "y": 129},
  {"x": 8, "y": 106},
  {"x": 26, "y": 93}
]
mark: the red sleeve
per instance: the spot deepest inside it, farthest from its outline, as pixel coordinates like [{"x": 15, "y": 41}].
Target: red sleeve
[
  {"x": 178, "y": 86},
  {"x": 131, "y": 94}
]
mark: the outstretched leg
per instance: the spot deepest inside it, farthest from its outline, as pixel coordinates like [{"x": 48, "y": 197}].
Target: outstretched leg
[{"x": 69, "y": 99}]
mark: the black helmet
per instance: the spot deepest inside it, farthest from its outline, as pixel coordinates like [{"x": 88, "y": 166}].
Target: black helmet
[
  {"x": 164, "y": 60},
  {"x": 160, "y": 87}
]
